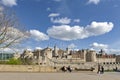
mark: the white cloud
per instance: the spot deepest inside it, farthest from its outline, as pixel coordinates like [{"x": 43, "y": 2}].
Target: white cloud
[
  {"x": 9, "y": 3},
  {"x": 14, "y": 33},
  {"x": 98, "y": 28},
  {"x": 10, "y": 50},
  {"x": 28, "y": 49},
  {"x": 53, "y": 15},
  {"x": 6, "y": 50},
  {"x": 113, "y": 51},
  {"x": 64, "y": 20},
  {"x": 1, "y": 8},
  {"x": 48, "y": 9},
  {"x": 92, "y": 49},
  {"x": 57, "y": 0},
  {"x": 96, "y": 45},
  {"x": 76, "y": 20},
  {"x": 71, "y": 46},
  {"x": 94, "y": 2},
  {"x": 37, "y": 35},
  {"x": 66, "y": 32},
  {"x": 1, "y": 11},
  {"x": 38, "y": 48}
]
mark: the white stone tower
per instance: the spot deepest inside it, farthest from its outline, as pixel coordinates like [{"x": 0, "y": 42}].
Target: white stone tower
[
  {"x": 55, "y": 51},
  {"x": 91, "y": 56},
  {"x": 67, "y": 51}
]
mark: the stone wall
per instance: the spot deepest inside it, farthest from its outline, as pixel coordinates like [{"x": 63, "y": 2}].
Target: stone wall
[
  {"x": 26, "y": 68},
  {"x": 55, "y": 68},
  {"x": 118, "y": 58},
  {"x": 106, "y": 60}
]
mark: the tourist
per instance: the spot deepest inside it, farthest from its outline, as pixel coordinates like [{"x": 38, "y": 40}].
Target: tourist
[
  {"x": 92, "y": 68},
  {"x": 64, "y": 69},
  {"x": 98, "y": 69},
  {"x": 102, "y": 69},
  {"x": 116, "y": 69},
  {"x": 69, "y": 69}
]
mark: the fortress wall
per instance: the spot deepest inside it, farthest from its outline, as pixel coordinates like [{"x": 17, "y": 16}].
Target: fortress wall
[
  {"x": 37, "y": 68},
  {"x": 106, "y": 60},
  {"x": 26, "y": 68}
]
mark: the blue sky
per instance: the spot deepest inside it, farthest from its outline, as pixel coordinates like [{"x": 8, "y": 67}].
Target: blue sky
[{"x": 79, "y": 24}]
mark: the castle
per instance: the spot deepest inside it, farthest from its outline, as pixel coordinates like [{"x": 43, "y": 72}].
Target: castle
[{"x": 48, "y": 56}]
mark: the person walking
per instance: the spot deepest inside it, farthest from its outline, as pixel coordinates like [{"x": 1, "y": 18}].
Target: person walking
[
  {"x": 102, "y": 69},
  {"x": 69, "y": 69},
  {"x": 98, "y": 69}
]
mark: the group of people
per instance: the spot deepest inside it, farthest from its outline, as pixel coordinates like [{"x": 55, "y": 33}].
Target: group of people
[
  {"x": 64, "y": 69},
  {"x": 100, "y": 69}
]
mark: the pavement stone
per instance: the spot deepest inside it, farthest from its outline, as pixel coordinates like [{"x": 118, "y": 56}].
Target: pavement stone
[{"x": 60, "y": 76}]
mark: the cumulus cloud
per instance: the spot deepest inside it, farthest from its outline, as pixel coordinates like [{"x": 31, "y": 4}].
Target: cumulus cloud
[
  {"x": 61, "y": 20},
  {"x": 71, "y": 46},
  {"x": 76, "y": 20},
  {"x": 28, "y": 49},
  {"x": 113, "y": 51},
  {"x": 66, "y": 32},
  {"x": 9, "y": 3},
  {"x": 99, "y": 46},
  {"x": 38, "y": 48},
  {"x": 10, "y": 50},
  {"x": 38, "y": 36},
  {"x": 6, "y": 50},
  {"x": 98, "y": 28},
  {"x": 53, "y": 15},
  {"x": 14, "y": 34},
  {"x": 93, "y": 2},
  {"x": 64, "y": 20}
]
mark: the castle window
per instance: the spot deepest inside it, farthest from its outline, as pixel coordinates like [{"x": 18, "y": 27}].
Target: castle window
[
  {"x": 113, "y": 62},
  {"x": 107, "y": 63}
]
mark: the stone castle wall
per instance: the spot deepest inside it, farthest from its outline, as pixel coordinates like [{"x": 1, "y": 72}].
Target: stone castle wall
[
  {"x": 26, "y": 68},
  {"x": 38, "y": 68},
  {"x": 106, "y": 60}
]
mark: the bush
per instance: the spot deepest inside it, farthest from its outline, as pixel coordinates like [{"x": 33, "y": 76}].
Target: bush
[
  {"x": 3, "y": 62},
  {"x": 109, "y": 70},
  {"x": 13, "y": 61}
]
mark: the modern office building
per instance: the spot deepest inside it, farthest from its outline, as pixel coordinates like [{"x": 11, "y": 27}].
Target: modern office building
[{"x": 6, "y": 56}]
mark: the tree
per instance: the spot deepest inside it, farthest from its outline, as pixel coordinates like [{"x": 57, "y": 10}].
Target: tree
[{"x": 9, "y": 29}]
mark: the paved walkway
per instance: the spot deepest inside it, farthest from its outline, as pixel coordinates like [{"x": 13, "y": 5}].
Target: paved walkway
[{"x": 60, "y": 76}]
